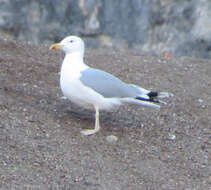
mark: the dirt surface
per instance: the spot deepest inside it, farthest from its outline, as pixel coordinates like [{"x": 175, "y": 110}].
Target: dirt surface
[{"x": 40, "y": 142}]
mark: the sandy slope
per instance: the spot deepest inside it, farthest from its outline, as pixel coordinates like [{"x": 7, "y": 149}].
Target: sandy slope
[{"x": 40, "y": 142}]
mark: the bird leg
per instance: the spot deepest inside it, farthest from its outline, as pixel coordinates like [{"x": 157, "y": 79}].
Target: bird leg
[{"x": 97, "y": 124}]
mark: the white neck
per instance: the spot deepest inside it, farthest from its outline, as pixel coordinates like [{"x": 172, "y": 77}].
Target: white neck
[
  {"x": 74, "y": 61},
  {"x": 74, "y": 56}
]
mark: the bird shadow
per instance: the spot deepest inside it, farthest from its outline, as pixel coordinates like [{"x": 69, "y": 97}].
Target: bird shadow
[{"x": 112, "y": 120}]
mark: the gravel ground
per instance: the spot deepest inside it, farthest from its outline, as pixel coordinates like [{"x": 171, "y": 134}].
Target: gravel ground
[{"x": 137, "y": 148}]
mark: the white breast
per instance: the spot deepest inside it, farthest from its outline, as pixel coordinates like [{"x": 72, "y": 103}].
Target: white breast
[
  {"x": 75, "y": 91},
  {"x": 71, "y": 69}
]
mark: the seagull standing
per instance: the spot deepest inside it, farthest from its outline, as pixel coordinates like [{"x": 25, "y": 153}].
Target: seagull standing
[{"x": 93, "y": 88}]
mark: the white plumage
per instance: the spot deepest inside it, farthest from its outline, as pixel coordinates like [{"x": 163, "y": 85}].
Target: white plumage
[{"x": 93, "y": 88}]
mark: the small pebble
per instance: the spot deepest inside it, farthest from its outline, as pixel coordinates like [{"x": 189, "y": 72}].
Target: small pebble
[
  {"x": 155, "y": 149},
  {"x": 200, "y": 101},
  {"x": 111, "y": 138},
  {"x": 172, "y": 137}
]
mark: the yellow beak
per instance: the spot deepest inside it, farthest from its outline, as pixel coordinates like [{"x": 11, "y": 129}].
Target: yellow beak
[{"x": 55, "y": 46}]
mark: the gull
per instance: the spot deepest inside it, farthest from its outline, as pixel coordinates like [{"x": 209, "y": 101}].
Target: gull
[{"x": 93, "y": 88}]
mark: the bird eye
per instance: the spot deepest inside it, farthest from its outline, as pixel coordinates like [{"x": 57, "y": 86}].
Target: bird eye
[{"x": 71, "y": 41}]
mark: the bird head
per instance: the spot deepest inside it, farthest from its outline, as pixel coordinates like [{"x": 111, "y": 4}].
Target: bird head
[{"x": 70, "y": 44}]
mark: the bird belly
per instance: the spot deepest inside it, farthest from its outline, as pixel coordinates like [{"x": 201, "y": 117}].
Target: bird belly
[{"x": 84, "y": 96}]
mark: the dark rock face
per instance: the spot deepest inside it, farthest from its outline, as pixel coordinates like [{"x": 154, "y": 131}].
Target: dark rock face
[
  {"x": 128, "y": 20},
  {"x": 180, "y": 27}
]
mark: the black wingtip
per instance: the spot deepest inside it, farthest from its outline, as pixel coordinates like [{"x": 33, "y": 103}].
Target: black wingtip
[
  {"x": 148, "y": 100},
  {"x": 152, "y": 94}
]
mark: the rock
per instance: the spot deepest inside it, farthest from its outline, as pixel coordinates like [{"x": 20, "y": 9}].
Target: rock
[
  {"x": 171, "y": 137},
  {"x": 111, "y": 138},
  {"x": 181, "y": 28}
]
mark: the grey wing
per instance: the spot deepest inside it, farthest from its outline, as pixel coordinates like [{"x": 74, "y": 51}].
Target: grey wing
[{"x": 106, "y": 84}]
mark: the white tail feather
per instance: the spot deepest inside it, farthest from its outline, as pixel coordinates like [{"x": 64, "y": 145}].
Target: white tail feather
[{"x": 164, "y": 95}]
